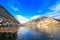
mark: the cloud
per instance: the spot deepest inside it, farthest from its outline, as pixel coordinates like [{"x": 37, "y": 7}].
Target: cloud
[
  {"x": 15, "y": 8},
  {"x": 21, "y": 19},
  {"x": 35, "y": 17},
  {"x": 55, "y": 13},
  {"x": 55, "y": 7}
]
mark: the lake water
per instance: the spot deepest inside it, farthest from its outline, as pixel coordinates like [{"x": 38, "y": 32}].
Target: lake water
[
  {"x": 7, "y": 36},
  {"x": 28, "y": 34}
]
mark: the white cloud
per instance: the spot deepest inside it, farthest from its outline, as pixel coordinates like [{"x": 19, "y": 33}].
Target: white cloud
[
  {"x": 56, "y": 7},
  {"x": 15, "y": 8},
  {"x": 35, "y": 17},
  {"x": 21, "y": 19},
  {"x": 56, "y": 17},
  {"x": 55, "y": 13}
]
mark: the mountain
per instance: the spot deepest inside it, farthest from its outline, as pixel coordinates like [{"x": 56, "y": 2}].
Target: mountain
[
  {"x": 48, "y": 25},
  {"x": 5, "y": 16},
  {"x": 44, "y": 24},
  {"x": 58, "y": 20},
  {"x": 32, "y": 24}
]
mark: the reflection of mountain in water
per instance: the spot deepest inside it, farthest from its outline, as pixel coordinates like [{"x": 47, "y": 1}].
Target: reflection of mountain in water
[
  {"x": 24, "y": 34},
  {"x": 29, "y": 34}
]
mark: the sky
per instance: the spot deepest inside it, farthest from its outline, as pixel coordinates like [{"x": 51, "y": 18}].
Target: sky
[{"x": 26, "y": 10}]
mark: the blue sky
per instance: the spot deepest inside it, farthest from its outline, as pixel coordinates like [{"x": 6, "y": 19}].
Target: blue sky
[{"x": 25, "y": 10}]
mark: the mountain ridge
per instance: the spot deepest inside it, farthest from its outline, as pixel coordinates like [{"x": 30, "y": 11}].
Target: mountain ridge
[{"x": 44, "y": 23}]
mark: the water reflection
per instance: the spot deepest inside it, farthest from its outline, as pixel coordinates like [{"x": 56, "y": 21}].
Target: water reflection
[
  {"x": 7, "y": 36},
  {"x": 28, "y": 34},
  {"x": 24, "y": 34}
]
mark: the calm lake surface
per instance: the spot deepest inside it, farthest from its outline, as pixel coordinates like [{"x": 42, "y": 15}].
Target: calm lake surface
[{"x": 27, "y": 34}]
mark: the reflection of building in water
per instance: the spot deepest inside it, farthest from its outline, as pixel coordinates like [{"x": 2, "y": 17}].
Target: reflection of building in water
[{"x": 7, "y": 21}]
